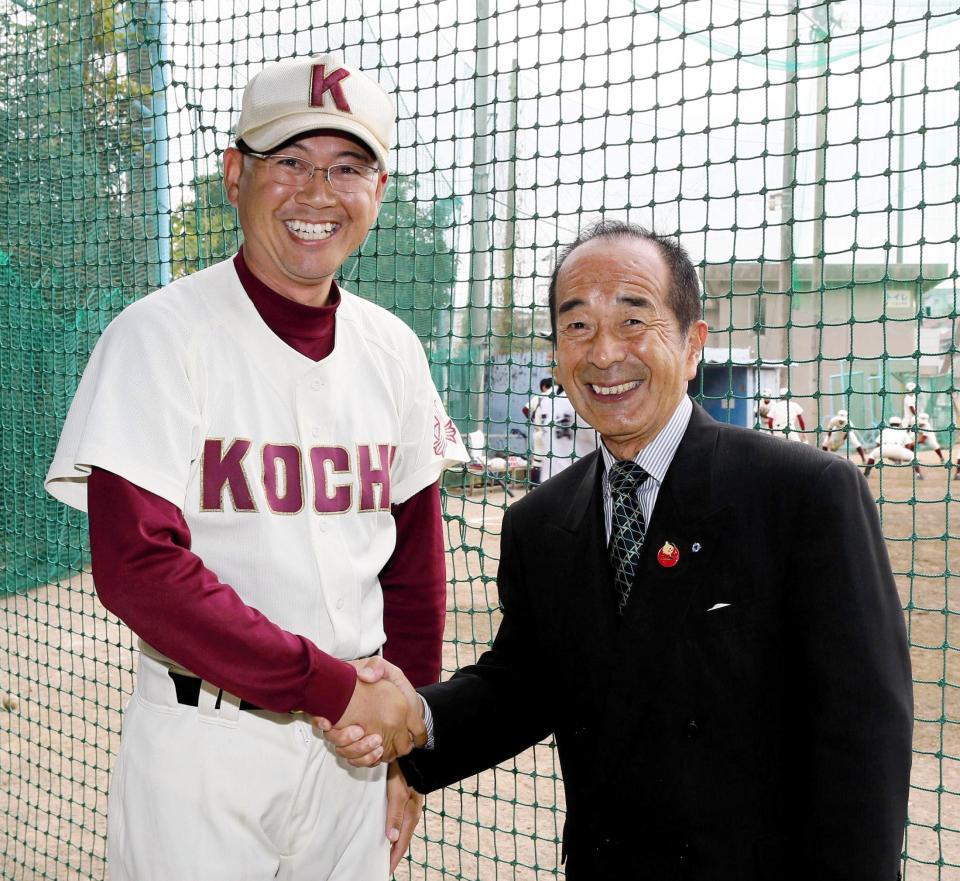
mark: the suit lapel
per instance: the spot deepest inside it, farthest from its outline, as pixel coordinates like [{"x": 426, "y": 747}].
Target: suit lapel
[{"x": 582, "y": 574}]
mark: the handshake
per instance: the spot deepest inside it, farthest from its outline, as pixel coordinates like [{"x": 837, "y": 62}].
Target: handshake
[{"x": 383, "y": 720}]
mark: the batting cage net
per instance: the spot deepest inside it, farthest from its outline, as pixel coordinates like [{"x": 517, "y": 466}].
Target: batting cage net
[{"x": 804, "y": 153}]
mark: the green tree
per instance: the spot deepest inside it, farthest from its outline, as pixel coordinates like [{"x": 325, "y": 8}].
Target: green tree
[
  {"x": 407, "y": 264},
  {"x": 65, "y": 111},
  {"x": 65, "y": 223},
  {"x": 204, "y": 229}
]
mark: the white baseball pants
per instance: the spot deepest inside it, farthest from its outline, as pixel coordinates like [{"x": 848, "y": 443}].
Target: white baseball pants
[{"x": 207, "y": 794}]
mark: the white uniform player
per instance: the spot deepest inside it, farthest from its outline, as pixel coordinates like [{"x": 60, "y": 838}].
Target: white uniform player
[
  {"x": 840, "y": 436},
  {"x": 761, "y": 411},
  {"x": 910, "y": 406},
  {"x": 569, "y": 437},
  {"x": 286, "y": 484},
  {"x": 535, "y": 411},
  {"x": 894, "y": 444},
  {"x": 926, "y": 437},
  {"x": 786, "y": 417}
]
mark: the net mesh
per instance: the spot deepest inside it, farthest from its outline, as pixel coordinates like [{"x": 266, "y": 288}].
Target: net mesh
[{"x": 804, "y": 153}]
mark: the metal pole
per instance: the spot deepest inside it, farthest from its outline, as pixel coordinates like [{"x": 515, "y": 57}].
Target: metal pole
[
  {"x": 147, "y": 53},
  {"x": 821, "y": 34},
  {"x": 901, "y": 163},
  {"x": 779, "y": 316},
  {"x": 480, "y": 276},
  {"x": 508, "y": 243}
]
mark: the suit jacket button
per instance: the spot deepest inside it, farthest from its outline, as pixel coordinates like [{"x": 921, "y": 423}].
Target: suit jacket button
[{"x": 691, "y": 729}]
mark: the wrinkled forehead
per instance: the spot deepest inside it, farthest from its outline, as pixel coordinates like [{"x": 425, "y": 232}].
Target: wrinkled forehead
[{"x": 610, "y": 266}]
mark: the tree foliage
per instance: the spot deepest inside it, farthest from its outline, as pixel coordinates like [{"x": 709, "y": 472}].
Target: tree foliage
[
  {"x": 66, "y": 111},
  {"x": 72, "y": 132},
  {"x": 204, "y": 229},
  {"x": 408, "y": 264}
]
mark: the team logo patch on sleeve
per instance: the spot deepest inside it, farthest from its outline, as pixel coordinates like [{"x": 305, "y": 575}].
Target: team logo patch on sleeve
[{"x": 444, "y": 433}]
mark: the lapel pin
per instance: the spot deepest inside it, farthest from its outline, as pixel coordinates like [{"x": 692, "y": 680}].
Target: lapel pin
[
  {"x": 668, "y": 556},
  {"x": 696, "y": 547}
]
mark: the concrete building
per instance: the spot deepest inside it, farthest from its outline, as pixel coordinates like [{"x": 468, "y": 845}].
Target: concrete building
[{"x": 852, "y": 342}]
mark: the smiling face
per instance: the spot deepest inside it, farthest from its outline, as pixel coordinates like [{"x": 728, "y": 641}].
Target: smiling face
[
  {"x": 621, "y": 356},
  {"x": 296, "y": 238}
]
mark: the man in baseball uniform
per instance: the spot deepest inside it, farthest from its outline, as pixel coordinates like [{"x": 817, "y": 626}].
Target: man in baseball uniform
[
  {"x": 910, "y": 405},
  {"x": 894, "y": 444},
  {"x": 535, "y": 411},
  {"x": 785, "y": 416},
  {"x": 260, "y": 532},
  {"x": 569, "y": 437},
  {"x": 840, "y": 436},
  {"x": 926, "y": 437},
  {"x": 761, "y": 411}
]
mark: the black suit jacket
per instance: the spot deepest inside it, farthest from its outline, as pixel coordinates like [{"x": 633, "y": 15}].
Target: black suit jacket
[{"x": 768, "y": 738}]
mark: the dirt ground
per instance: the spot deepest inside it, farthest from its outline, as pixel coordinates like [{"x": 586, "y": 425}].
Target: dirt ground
[{"x": 65, "y": 671}]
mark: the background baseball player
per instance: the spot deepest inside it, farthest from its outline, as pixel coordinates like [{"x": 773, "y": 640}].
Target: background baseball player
[
  {"x": 761, "y": 411},
  {"x": 841, "y": 436},
  {"x": 786, "y": 417},
  {"x": 910, "y": 405},
  {"x": 260, "y": 532},
  {"x": 927, "y": 438},
  {"x": 540, "y": 434},
  {"x": 894, "y": 444},
  {"x": 569, "y": 437}
]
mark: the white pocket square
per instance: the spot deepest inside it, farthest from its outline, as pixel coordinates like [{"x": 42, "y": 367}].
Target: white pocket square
[{"x": 716, "y": 606}]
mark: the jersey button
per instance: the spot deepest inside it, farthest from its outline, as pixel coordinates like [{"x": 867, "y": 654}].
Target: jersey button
[
  {"x": 316, "y": 385},
  {"x": 315, "y": 432},
  {"x": 340, "y": 603}
]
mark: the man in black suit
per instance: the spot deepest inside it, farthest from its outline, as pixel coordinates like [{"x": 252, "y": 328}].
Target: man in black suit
[{"x": 718, "y": 647}]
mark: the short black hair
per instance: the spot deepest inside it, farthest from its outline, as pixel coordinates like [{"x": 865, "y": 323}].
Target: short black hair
[
  {"x": 684, "y": 295},
  {"x": 245, "y": 148}
]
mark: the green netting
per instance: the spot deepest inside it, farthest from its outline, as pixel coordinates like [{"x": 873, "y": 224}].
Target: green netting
[{"x": 805, "y": 153}]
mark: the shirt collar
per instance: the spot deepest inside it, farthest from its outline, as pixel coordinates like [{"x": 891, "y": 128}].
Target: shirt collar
[
  {"x": 285, "y": 317},
  {"x": 656, "y": 456}
]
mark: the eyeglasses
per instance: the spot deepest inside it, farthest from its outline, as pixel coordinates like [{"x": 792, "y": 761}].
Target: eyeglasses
[{"x": 292, "y": 171}]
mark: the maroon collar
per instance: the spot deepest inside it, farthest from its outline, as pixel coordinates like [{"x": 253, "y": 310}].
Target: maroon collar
[{"x": 308, "y": 329}]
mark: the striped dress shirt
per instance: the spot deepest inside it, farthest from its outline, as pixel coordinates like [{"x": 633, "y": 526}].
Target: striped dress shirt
[{"x": 654, "y": 458}]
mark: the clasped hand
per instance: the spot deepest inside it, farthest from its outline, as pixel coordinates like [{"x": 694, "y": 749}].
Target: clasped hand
[{"x": 383, "y": 720}]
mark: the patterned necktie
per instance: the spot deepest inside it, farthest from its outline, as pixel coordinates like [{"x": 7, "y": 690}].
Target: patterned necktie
[{"x": 628, "y": 526}]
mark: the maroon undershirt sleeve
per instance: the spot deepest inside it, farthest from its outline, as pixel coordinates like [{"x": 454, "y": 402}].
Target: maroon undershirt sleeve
[
  {"x": 146, "y": 574},
  {"x": 414, "y": 589}
]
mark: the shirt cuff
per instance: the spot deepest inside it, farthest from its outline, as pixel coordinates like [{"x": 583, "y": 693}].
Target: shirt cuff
[{"x": 427, "y": 721}]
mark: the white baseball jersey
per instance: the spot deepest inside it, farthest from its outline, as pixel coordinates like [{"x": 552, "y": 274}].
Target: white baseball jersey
[
  {"x": 909, "y": 409},
  {"x": 892, "y": 445},
  {"x": 838, "y": 431},
  {"x": 926, "y": 435},
  {"x": 784, "y": 414},
  {"x": 569, "y": 438},
  {"x": 284, "y": 468},
  {"x": 540, "y": 436}
]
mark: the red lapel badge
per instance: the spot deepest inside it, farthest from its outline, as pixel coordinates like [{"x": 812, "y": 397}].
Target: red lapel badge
[{"x": 668, "y": 556}]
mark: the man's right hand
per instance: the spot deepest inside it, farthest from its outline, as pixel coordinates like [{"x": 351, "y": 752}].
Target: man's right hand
[{"x": 383, "y": 720}]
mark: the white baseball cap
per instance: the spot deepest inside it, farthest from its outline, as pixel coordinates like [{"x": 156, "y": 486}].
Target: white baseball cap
[{"x": 290, "y": 97}]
